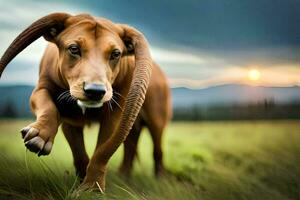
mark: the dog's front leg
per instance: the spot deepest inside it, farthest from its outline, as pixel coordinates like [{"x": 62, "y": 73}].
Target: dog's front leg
[
  {"x": 96, "y": 170},
  {"x": 39, "y": 136}
]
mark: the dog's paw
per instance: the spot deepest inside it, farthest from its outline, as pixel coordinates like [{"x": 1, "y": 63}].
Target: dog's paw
[
  {"x": 34, "y": 141},
  {"x": 94, "y": 186}
]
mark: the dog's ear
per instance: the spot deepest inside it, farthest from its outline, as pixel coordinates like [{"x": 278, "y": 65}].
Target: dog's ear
[
  {"x": 125, "y": 33},
  {"x": 137, "y": 43},
  {"x": 49, "y": 27},
  {"x": 51, "y": 34},
  {"x": 129, "y": 46}
]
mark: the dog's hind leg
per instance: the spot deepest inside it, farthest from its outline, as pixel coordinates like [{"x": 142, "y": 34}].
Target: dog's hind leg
[
  {"x": 130, "y": 148},
  {"x": 74, "y": 136},
  {"x": 39, "y": 136},
  {"x": 156, "y": 115},
  {"x": 156, "y": 132}
]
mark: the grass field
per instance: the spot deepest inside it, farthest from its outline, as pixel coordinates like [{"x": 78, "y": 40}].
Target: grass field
[{"x": 208, "y": 160}]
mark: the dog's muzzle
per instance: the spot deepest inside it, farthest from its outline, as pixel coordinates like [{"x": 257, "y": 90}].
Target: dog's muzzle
[{"x": 88, "y": 104}]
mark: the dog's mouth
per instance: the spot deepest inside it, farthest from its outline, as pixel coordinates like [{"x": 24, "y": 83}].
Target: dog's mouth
[
  {"x": 88, "y": 104},
  {"x": 65, "y": 98}
]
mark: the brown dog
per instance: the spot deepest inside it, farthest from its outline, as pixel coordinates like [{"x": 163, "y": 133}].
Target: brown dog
[{"x": 94, "y": 70}]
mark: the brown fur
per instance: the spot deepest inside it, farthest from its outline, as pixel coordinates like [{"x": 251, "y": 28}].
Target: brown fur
[{"x": 59, "y": 71}]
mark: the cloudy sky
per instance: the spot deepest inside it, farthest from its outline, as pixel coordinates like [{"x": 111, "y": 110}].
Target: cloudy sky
[{"x": 198, "y": 43}]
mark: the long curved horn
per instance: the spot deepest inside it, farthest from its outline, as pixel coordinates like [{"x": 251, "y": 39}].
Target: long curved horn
[
  {"x": 136, "y": 94},
  {"x": 48, "y": 26}
]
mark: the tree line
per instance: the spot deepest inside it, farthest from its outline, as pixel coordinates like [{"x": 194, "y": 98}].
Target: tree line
[
  {"x": 254, "y": 111},
  {"x": 267, "y": 109}
]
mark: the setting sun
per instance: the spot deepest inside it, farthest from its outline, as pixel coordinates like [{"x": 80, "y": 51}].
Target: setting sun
[{"x": 254, "y": 75}]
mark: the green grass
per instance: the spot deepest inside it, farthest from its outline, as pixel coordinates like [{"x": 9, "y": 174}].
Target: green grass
[{"x": 208, "y": 160}]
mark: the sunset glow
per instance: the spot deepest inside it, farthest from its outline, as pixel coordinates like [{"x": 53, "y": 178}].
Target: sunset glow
[{"x": 254, "y": 75}]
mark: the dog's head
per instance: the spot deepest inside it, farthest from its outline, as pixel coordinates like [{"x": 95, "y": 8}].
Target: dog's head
[{"x": 90, "y": 51}]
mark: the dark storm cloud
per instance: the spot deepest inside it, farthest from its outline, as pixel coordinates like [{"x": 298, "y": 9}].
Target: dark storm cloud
[
  {"x": 211, "y": 24},
  {"x": 214, "y": 39}
]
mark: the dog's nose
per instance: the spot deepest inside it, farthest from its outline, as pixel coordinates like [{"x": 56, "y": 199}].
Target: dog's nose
[{"x": 93, "y": 91}]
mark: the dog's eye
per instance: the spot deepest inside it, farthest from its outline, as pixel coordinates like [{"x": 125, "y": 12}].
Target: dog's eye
[
  {"x": 74, "y": 50},
  {"x": 115, "y": 54}
]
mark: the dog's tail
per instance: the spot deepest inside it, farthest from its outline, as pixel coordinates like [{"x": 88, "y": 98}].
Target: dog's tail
[{"x": 48, "y": 26}]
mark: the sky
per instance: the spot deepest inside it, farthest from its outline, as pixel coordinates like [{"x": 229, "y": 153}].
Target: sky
[{"x": 197, "y": 43}]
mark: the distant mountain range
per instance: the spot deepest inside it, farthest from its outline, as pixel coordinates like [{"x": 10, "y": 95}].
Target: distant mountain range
[
  {"x": 182, "y": 97},
  {"x": 234, "y": 94}
]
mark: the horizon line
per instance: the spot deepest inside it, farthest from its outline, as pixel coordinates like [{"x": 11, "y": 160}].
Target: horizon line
[{"x": 180, "y": 86}]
